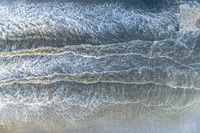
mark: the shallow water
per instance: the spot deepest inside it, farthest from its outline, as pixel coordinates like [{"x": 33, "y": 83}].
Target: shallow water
[{"x": 97, "y": 66}]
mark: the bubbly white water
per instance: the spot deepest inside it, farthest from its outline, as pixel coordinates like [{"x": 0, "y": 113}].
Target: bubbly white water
[
  {"x": 107, "y": 66},
  {"x": 32, "y": 25}
]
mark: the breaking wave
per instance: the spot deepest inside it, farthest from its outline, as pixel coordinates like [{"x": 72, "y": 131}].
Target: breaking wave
[{"x": 66, "y": 62}]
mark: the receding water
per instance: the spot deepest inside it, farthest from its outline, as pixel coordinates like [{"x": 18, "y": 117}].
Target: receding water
[{"x": 107, "y": 66}]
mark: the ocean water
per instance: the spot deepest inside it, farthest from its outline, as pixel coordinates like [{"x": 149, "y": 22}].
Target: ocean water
[{"x": 98, "y": 66}]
